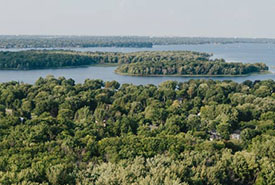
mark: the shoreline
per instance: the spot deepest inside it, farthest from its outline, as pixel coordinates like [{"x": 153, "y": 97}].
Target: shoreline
[
  {"x": 65, "y": 67},
  {"x": 177, "y": 75},
  {"x": 137, "y": 75}
]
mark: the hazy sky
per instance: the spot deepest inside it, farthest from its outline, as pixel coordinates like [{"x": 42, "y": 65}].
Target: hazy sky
[{"x": 218, "y": 18}]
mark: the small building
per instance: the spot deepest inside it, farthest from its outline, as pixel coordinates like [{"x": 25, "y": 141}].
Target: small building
[
  {"x": 214, "y": 135},
  {"x": 236, "y": 135}
]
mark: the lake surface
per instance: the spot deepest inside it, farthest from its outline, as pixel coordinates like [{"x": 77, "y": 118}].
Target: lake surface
[{"x": 231, "y": 52}]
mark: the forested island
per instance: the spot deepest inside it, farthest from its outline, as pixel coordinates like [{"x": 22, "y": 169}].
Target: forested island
[
  {"x": 39, "y": 59},
  {"x": 137, "y": 63},
  {"x": 196, "y": 132},
  {"x": 190, "y": 67},
  {"x": 47, "y": 41}
]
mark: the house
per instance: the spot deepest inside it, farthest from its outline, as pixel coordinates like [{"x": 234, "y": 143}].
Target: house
[
  {"x": 236, "y": 135},
  {"x": 214, "y": 135}
]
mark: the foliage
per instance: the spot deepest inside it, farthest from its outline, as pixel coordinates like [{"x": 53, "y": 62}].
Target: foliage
[
  {"x": 59, "y": 132},
  {"x": 200, "y": 66},
  {"x": 37, "y": 59}
]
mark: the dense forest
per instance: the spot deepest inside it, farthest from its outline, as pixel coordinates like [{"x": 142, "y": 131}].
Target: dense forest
[
  {"x": 190, "y": 67},
  {"x": 196, "y": 132},
  {"x": 44, "y": 41},
  {"x": 37, "y": 59},
  {"x": 137, "y": 63},
  {"x": 26, "y": 60}
]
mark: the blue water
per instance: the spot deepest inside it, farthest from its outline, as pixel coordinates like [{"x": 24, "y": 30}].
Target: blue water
[{"x": 231, "y": 52}]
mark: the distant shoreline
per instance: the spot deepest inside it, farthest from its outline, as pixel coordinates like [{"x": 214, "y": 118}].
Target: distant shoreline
[{"x": 14, "y": 49}]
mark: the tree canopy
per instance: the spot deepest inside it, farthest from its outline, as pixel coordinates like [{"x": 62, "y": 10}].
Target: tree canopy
[
  {"x": 60, "y": 132},
  {"x": 190, "y": 67}
]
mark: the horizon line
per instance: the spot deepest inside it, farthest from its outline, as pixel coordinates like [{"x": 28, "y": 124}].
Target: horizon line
[{"x": 149, "y": 36}]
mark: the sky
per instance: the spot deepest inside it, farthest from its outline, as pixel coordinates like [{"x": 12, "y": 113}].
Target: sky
[{"x": 203, "y": 18}]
